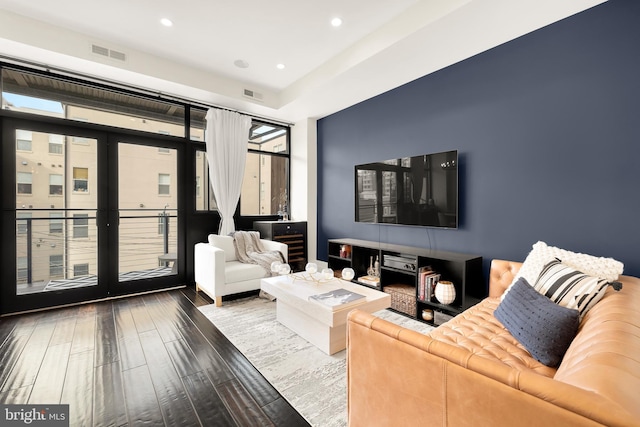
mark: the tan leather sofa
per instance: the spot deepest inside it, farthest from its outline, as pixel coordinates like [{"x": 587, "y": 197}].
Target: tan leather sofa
[{"x": 472, "y": 372}]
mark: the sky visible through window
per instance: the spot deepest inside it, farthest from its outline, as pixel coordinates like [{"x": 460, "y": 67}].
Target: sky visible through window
[{"x": 22, "y": 101}]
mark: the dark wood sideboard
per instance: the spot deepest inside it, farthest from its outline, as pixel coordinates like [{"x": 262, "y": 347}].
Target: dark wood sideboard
[
  {"x": 292, "y": 233},
  {"x": 464, "y": 270}
]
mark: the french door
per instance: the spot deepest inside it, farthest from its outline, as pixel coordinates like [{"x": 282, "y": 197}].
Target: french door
[
  {"x": 86, "y": 215},
  {"x": 144, "y": 213}
]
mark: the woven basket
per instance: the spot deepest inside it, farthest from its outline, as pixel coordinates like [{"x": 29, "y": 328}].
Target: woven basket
[{"x": 403, "y": 298}]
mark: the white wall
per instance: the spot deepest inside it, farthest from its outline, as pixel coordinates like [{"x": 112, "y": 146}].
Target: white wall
[{"x": 304, "y": 179}]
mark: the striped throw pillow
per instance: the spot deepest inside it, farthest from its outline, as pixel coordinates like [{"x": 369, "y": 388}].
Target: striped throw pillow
[{"x": 569, "y": 287}]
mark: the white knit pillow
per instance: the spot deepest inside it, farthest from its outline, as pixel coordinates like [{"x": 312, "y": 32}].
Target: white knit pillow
[{"x": 541, "y": 254}]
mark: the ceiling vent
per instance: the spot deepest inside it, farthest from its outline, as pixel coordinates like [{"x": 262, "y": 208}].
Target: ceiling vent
[
  {"x": 108, "y": 53},
  {"x": 248, "y": 93}
]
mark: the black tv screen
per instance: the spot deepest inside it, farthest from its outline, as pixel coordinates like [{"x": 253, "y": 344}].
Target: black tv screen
[{"x": 419, "y": 190}]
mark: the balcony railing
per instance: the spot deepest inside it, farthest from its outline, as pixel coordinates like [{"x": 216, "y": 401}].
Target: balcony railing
[{"x": 61, "y": 252}]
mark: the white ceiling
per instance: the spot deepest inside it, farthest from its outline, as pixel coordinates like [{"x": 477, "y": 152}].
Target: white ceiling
[{"x": 382, "y": 44}]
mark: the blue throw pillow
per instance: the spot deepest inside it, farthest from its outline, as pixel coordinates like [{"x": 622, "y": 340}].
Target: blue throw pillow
[{"x": 543, "y": 327}]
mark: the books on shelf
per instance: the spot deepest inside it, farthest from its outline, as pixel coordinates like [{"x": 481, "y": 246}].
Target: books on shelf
[
  {"x": 427, "y": 283},
  {"x": 338, "y": 298},
  {"x": 370, "y": 280}
]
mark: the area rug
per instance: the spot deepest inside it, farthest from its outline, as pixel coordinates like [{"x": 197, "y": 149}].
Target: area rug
[{"x": 313, "y": 382}]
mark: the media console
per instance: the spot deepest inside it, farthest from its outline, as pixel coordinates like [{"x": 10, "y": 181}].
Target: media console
[{"x": 400, "y": 267}]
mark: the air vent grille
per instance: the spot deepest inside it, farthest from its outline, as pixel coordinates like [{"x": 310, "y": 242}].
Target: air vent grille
[
  {"x": 248, "y": 93},
  {"x": 99, "y": 50},
  {"x": 109, "y": 53},
  {"x": 117, "y": 55}
]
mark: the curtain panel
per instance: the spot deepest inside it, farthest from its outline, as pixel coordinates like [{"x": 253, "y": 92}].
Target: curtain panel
[{"x": 227, "y": 143}]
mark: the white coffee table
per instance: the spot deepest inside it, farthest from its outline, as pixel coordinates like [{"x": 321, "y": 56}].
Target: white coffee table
[{"x": 320, "y": 325}]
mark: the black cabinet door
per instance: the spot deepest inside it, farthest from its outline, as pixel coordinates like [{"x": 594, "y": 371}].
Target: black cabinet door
[{"x": 292, "y": 233}]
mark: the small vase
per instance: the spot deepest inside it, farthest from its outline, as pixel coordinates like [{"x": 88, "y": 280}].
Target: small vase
[
  {"x": 370, "y": 270},
  {"x": 445, "y": 292}
]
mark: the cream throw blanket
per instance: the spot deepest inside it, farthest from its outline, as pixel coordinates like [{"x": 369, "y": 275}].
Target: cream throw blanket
[{"x": 249, "y": 250}]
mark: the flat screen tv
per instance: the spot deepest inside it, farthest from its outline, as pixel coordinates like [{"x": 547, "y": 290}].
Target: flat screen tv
[{"x": 419, "y": 190}]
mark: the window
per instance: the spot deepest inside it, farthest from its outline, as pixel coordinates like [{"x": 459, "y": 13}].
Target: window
[
  {"x": 80, "y": 140},
  {"x": 55, "y": 222},
  {"x": 25, "y": 182},
  {"x": 205, "y": 200},
  {"x": 80, "y": 180},
  {"x": 269, "y": 137},
  {"x": 196, "y": 130},
  {"x": 80, "y": 225},
  {"x": 266, "y": 181},
  {"x": 80, "y": 270},
  {"x": 23, "y": 140},
  {"x": 164, "y": 184},
  {"x": 164, "y": 150},
  {"x": 163, "y": 223},
  {"x": 56, "y": 266},
  {"x": 55, "y": 185},
  {"x": 265, "y": 187},
  {"x": 23, "y": 269},
  {"x": 55, "y": 143},
  {"x": 61, "y": 97},
  {"x": 22, "y": 223}
]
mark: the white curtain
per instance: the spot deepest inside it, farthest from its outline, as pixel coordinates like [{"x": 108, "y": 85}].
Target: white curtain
[{"x": 226, "y": 137}]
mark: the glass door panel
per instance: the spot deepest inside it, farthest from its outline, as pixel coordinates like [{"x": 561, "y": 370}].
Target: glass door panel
[
  {"x": 56, "y": 207},
  {"x": 148, "y": 214}
]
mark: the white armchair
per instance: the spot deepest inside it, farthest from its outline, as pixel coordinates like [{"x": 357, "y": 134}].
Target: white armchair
[{"x": 218, "y": 272}]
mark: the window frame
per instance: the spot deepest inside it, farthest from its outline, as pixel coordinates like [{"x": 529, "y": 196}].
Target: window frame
[
  {"x": 22, "y": 221},
  {"x": 22, "y": 269},
  {"x": 56, "y": 189},
  {"x": 76, "y": 181},
  {"x": 80, "y": 222},
  {"x": 84, "y": 266},
  {"x": 56, "y": 222},
  {"x": 162, "y": 185},
  {"x": 285, "y": 152},
  {"x": 21, "y": 184},
  {"x": 21, "y": 138},
  {"x": 56, "y": 269},
  {"x": 59, "y": 145}
]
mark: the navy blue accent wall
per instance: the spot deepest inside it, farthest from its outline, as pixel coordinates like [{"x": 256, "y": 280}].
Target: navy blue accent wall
[{"x": 548, "y": 129}]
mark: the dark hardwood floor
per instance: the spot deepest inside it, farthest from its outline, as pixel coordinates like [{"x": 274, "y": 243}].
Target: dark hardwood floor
[{"x": 151, "y": 359}]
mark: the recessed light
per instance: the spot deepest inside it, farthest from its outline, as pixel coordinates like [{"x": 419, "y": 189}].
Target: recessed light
[
  {"x": 336, "y": 22},
  {"x": 280, "y": 66},
  {"x": 241, "y": 63},
  {"x": 166, "y": 22}
]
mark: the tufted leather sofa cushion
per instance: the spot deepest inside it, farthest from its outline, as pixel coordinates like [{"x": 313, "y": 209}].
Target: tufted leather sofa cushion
[
  {"x": 501, "y": 276},
  {"x": 479, "y": 332}
]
